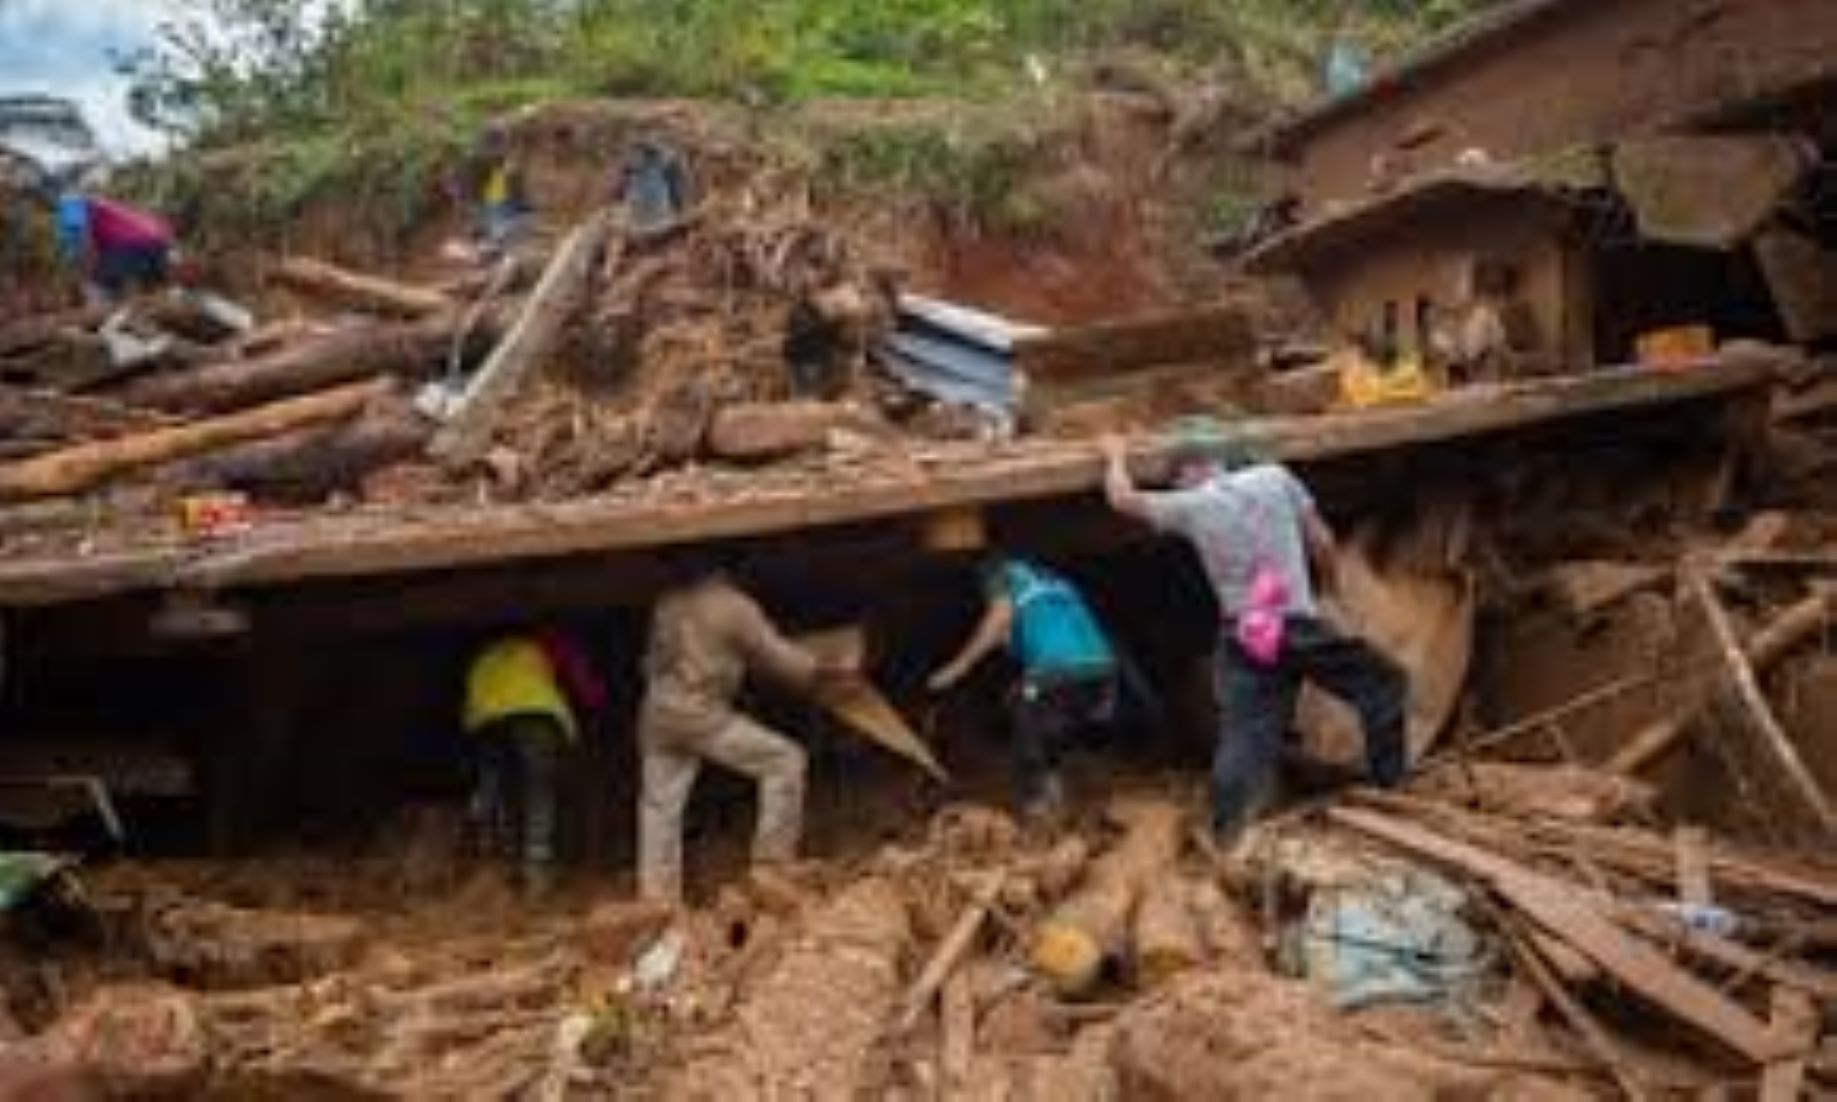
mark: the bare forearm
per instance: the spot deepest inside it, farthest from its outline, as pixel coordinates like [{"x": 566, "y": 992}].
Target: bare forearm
[
  {"x": 989, "y": 635},
  {"x": 1120, "y": 489}
]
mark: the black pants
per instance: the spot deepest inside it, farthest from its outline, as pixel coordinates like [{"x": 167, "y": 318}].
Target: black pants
[
  {"x": 1258, "y": 704},
  {"x": 516, "y": 798},
  {"x": 1047, "y": 715}
]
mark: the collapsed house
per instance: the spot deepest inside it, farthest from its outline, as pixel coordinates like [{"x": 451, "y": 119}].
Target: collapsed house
[
  {"x": 1583, "y": 175},
  {"x": 249, "y": 573}
]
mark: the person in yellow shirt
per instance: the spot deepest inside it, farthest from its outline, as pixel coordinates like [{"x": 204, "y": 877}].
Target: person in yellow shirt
[
  {"x": 504, "y": 207},
  {"x": 522, "y": 692}
]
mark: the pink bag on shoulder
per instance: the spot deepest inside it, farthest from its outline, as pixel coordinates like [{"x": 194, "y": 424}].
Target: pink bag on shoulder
[{"x": 1263, "y": 623}]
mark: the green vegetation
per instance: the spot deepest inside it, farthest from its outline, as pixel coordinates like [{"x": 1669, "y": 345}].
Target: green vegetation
[
  {"x": 233, "y": 70},
  {"x": 368, "y": 97}
]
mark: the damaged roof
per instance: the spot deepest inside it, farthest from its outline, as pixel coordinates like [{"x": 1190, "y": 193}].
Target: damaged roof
[
  {"x": 1351, "y": 225},
  {"x": 1490, "y": 29}
]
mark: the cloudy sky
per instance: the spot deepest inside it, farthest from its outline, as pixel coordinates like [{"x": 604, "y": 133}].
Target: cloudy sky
[{"x": 65, "y": 47}]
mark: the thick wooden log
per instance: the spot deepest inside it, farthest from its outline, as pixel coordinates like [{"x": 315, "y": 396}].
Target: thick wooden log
[
  {"x": 759, "y": 432},
  {"x": 531, "y": 340},
  {"x": 87, "y": 465},
  {"x": 1211, "y": 334},
  {"x": 359, "y": 290},
  {"x": 25, "y": 411},
  {"x": 1070, "y": 947},
  {"x": 353, "y": 352},
  {"x": 26, "y": 334},
  {"x": 309, "y": 465},
  {"x": 1166, "y": 938}
]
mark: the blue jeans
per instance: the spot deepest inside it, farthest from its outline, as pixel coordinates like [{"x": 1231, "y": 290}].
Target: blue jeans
[{"x": 1258, "y": 707}]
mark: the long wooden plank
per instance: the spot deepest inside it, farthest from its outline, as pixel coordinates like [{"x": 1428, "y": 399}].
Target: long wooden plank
[
  {"x": 363, "y": 546},
  {"x": 1569, "y": 916}
]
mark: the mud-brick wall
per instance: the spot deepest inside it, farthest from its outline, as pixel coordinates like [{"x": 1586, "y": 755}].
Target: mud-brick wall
[
  {"x": 1430, "y": 257},
  {"x": 1587, "y": 71}
]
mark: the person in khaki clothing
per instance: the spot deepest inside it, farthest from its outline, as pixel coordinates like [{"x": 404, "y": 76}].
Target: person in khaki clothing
[{"x": 705, "y": 638}]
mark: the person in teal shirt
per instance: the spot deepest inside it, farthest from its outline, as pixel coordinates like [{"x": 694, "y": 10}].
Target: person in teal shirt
[{"x": 1068, "y": 670}]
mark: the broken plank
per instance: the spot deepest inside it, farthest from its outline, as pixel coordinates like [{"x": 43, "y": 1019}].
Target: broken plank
[
  {"x": 1568, "y": 915},
  {"x": 1796, "y": 1018},
  {"x": 1648, "y": 744},
  {"x": 1780, "y": 635},
  {"x": 1738, "y": 958},
  {"x": 535, "y": 335},
  {"x": 1594, "y": 1035},
  {"x": 957, "y": 1031},
  {"x": 1774, "y": 739},
  {"x": 1693, "y": 867},
  {"x": 79, "y": 468},
  {"x": 358, "y": 289},
  {"x": 949, "y": 953}
]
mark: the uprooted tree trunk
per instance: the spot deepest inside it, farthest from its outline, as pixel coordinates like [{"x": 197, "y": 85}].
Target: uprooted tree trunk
[
  {"x": 1092, "y": 926},
  {"x": 79, "y": 468},
  {"x": 354, "y": 352}
]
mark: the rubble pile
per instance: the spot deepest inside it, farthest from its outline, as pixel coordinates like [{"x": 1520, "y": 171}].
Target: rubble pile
[
  {"x": 738, "y": 333},
  {"x": 1420, "y": 942}
]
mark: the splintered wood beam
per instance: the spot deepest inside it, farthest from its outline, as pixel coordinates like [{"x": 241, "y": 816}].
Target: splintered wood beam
[{"x": 534, "y": 336}]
